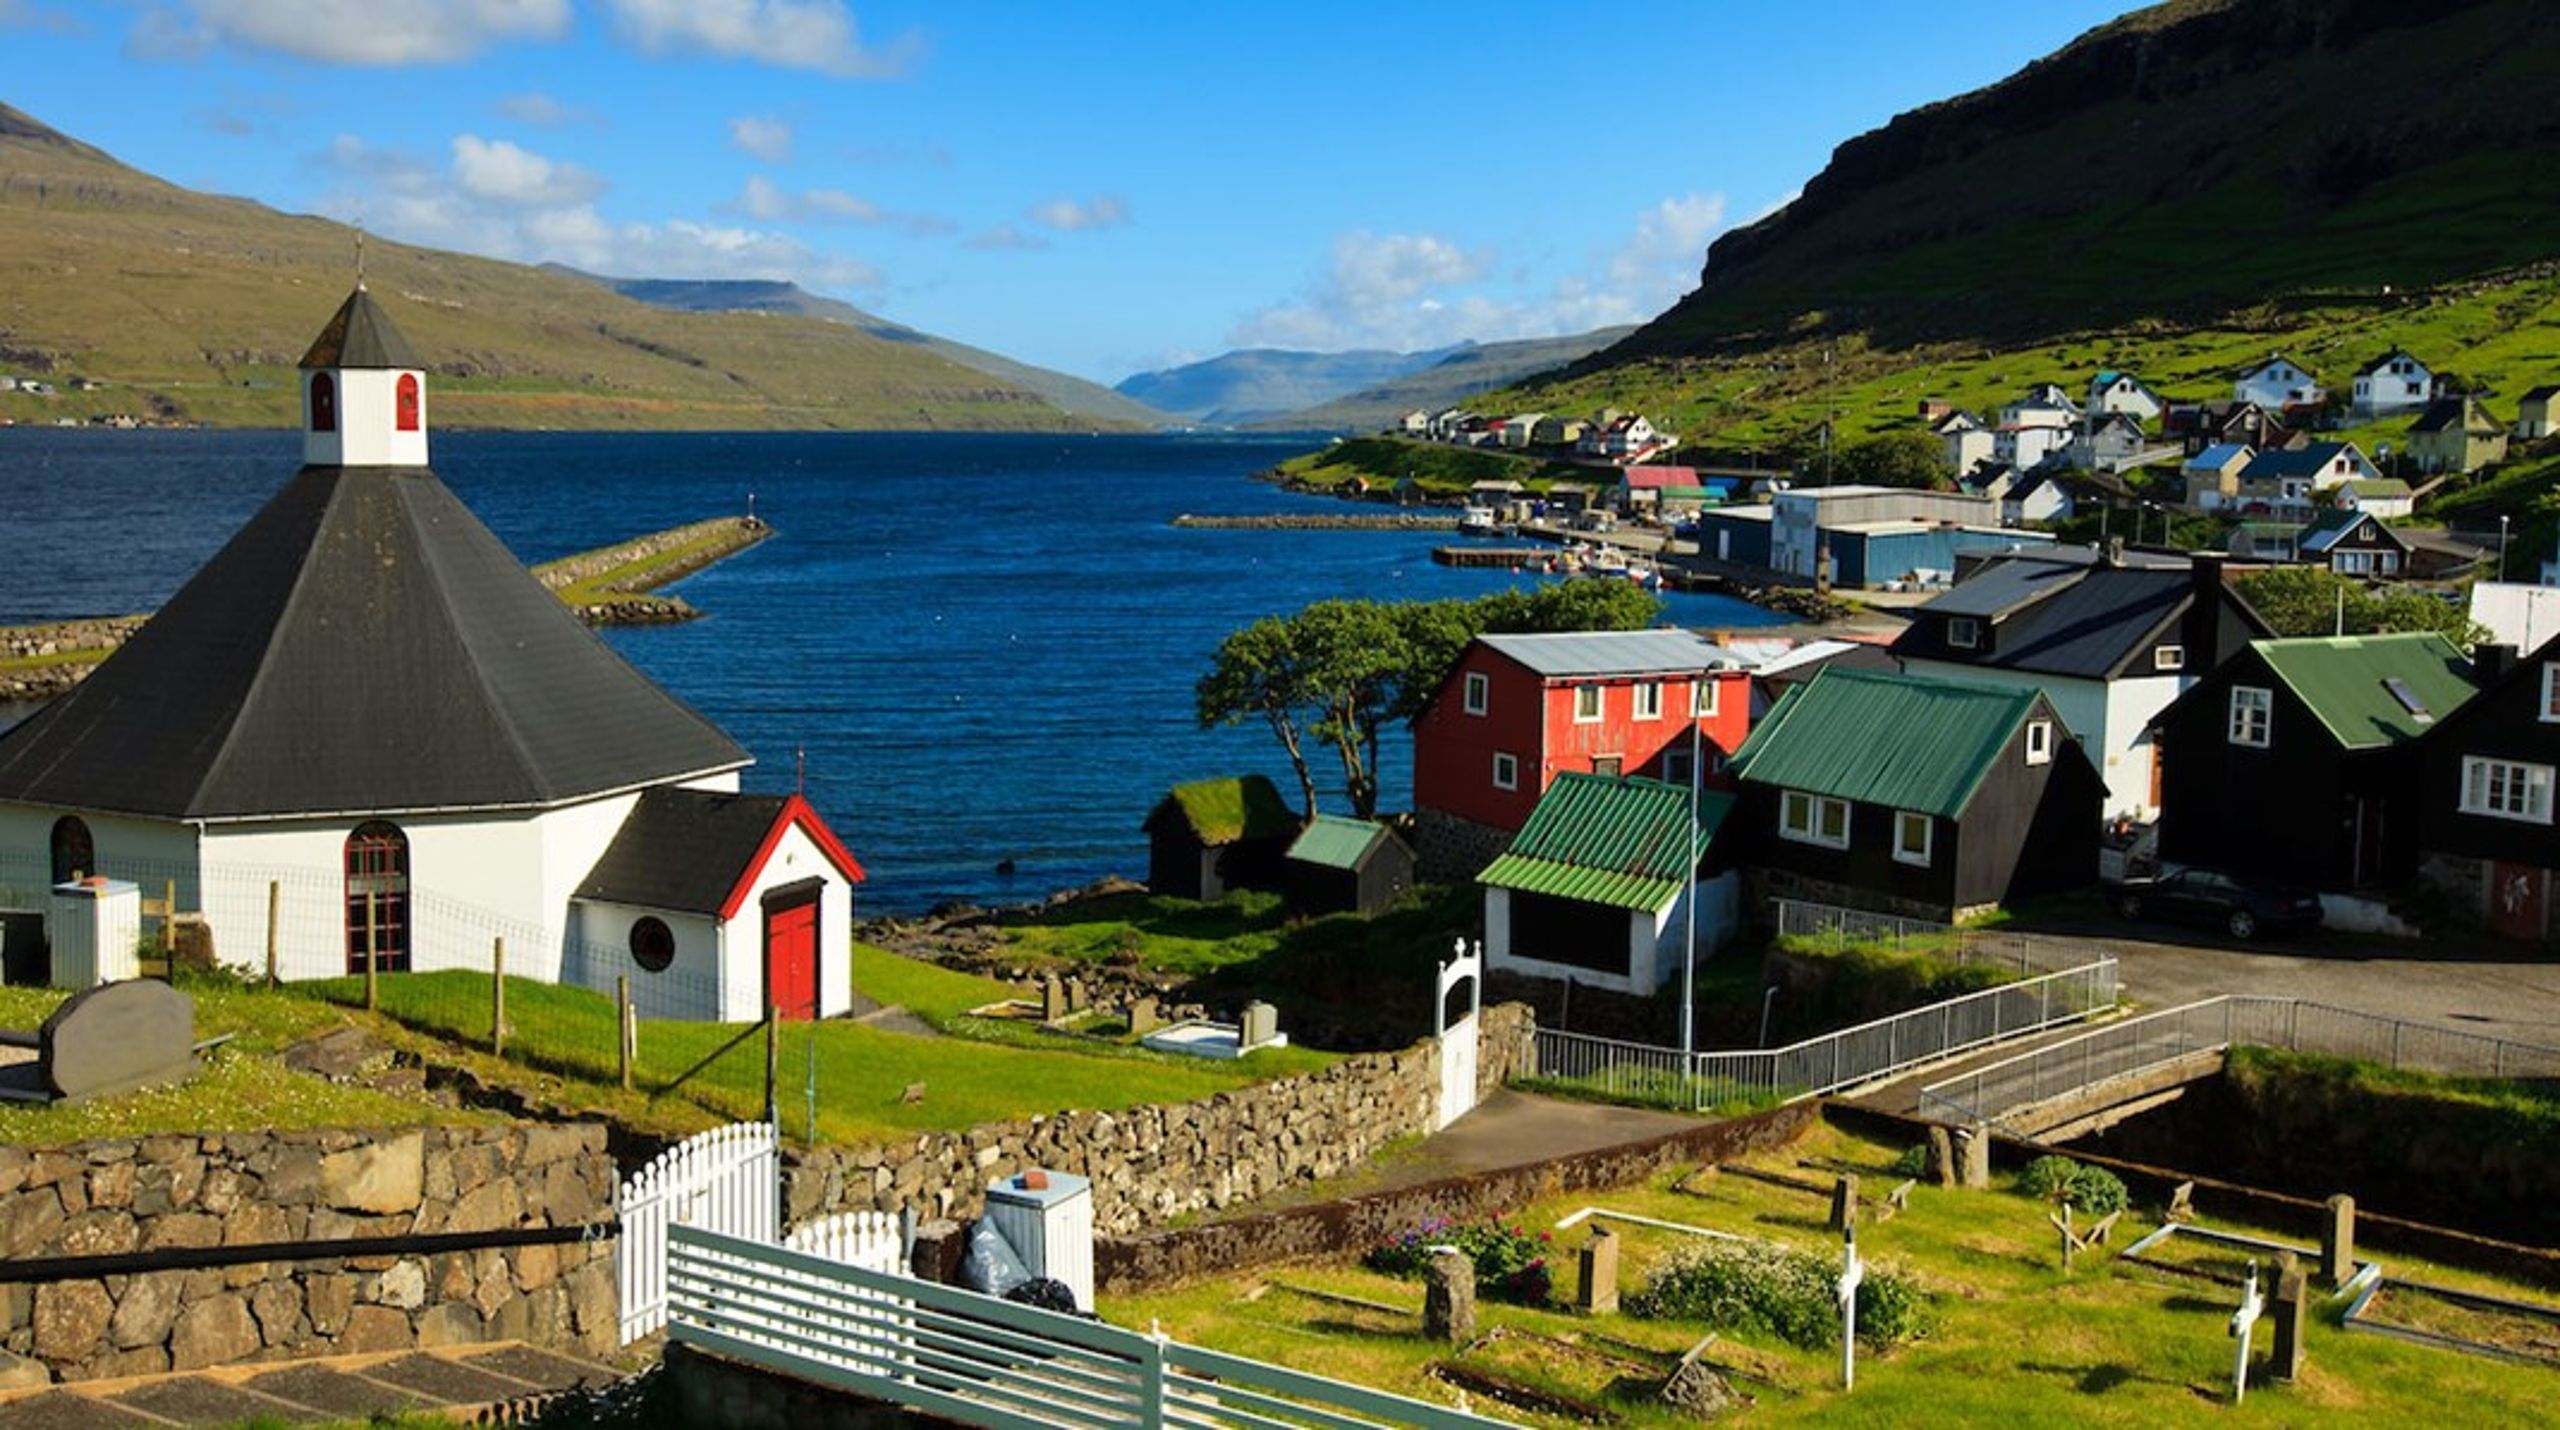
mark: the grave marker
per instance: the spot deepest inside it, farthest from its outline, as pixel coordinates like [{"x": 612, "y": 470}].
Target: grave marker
[
  {"x": 1942, "y": 1156},
  {"x": 2243, "y": 1321},
  {"x": 1844, "y": 1203},
  {"x": 1895, "y": 1202},
  {"x": 2292, "y": 1316},
  {"x": 1076, "y": 998},
  {"x": 1053, "y": 999},
  {"x": 1143, "y": 1017},
  {"x": 2182, "y": 1202},
  {"x": 1261, "y": 1023},
  {"x": 1598, "y": 1293},
  {"x": 1973, "y": 1156},
  {"x": 1852, "y": 1272},
  {"x": 2338, "y": 1241},
  {"x": 1449, "y": 1297}
]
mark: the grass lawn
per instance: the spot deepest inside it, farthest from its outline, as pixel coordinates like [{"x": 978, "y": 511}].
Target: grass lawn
[
  {"x": 987, "y": 1071},
  {"x": 240, "y": 1087},
  {"x": 1169, "y": 935},
  {"x": 2015, "y": 1342}
]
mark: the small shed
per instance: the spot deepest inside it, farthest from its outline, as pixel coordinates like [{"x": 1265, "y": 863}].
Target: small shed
[
  {"x": 1210, "y": 836},
  {"x": 1340, "y": 865}
]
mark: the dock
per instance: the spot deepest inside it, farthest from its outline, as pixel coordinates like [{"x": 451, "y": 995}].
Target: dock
[{"x": 1325, "y": 521}]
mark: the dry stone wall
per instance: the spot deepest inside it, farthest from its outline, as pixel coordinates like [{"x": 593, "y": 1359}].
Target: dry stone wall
[
  {"x": 115, "y": 1196},
  {"x": 1158, "y": 1161}
]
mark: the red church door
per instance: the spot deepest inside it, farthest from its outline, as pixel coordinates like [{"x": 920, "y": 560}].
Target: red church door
[{"x": 791, "y": 958}]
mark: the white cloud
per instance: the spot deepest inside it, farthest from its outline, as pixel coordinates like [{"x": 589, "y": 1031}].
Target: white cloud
[
  {"x": 1006, "y": 238},
  {"x": 767, "y": 139},
  {"x": 544, "y": 112},
  {"x": 1416, "y": 291},
  {"x": 795, "y": 34},
  {"x": 496, "y": 199},
  {"x": 1068, "y": 216},
  {"x": 350, "y": 32},
  {"x": 769, "y": 202},
  {"x": 505, "y": 173}
]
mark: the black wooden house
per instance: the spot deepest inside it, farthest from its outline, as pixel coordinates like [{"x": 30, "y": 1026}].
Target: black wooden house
[{"x": 2484, "y": 795}]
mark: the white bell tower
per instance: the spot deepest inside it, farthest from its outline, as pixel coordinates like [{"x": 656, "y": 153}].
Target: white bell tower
[{"x": 364, "y": 393}]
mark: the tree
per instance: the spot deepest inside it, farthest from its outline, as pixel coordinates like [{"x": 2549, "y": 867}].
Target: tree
[
  {"x": 1894, "y": 459},
  {"x": 2314, "y": 601},
  {"x": 1258, "y": 671}
]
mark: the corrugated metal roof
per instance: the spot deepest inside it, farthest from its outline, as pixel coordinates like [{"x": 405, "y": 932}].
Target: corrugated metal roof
[
  {"x": 1336, "y": 842},
  {"x": 2342, "y": 679},
  {"x": 1612, "y": 652},
  {"x": 2005, "y": 586},
  {"x": 1907, "y": 742},
  {"x": 1627, "y": 843}
]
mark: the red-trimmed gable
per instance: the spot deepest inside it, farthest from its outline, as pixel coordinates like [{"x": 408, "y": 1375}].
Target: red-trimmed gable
[{"x": 795, "y": 811}]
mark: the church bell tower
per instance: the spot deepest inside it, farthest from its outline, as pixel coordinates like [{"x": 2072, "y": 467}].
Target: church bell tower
[{"x": 364, "y": 393}]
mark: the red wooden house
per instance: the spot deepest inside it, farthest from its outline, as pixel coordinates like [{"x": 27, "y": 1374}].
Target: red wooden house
[{"x": 1518, "y": 710}]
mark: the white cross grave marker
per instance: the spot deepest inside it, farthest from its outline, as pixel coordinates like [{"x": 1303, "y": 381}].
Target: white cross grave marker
[
  {"x": 2243, "y": 1321},
  {"x": 1852, "y": 1272}
]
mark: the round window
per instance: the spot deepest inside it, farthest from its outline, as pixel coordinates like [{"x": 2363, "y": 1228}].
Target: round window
[{"x": 653, "y": 944}]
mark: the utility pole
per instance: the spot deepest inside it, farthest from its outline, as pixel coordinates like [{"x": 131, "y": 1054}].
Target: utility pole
[
  {"x": 1830, "y": 415},
  {"x": 1689, "y": 964}
]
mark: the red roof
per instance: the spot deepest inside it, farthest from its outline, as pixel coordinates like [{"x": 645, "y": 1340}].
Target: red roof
[{"x": 1655, "y": 478}]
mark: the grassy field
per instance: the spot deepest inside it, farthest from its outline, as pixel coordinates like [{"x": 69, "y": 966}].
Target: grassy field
[
  {"x": 982, "y": 1071},
  {"x": 601, "y": 575},
  {"x": 2015, "y": 1341},
  {"x": 1436, "y": 467}
]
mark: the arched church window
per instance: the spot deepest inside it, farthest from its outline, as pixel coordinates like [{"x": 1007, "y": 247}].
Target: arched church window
[
  {"x": 324, "y": 403},
  {"x": 75, "y": 853},
  {"x": 378, "y": 898},
  {"x": 404, "y": 403}
]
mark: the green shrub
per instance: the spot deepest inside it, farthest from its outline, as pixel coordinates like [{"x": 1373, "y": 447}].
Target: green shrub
[
  {"x": 1792, "y": 1295},
  {"x": 1511, "y": 1265},
  {"x": 2098, "y": 1192},
  {"x": 2047, "y": 1178},
  {"x": 1914, "y": 1161}
]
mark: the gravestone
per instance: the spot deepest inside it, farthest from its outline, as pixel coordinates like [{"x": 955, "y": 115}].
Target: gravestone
[
  {"x": 1260, "y": 1025},
  {"x": 2292, "y": 1316},
  {"x": 1076, "y": 995},
  {"x": 1942, "y": 1156},
  {"x": 1143, "y": 1017},
  {"x": 1698, "y": 1388},
  {"x": 2182, "y": 1202},
  {"x": 1598, "y": 1293},
  {"x": 1449, "y": 1297},
  {"x": 1973, "y": 1156},
  {"x": 2338, "y": 1241},
  {"x": 1053, "y": 999},
  {"x": 1844, "y": 1202}
]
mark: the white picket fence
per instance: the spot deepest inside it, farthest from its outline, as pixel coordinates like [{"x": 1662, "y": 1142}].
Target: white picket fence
[
  {"x": 871, "y": 1240},
  {"x": 976, "y": 1360},
  {"x": 726, "y": 1180}
]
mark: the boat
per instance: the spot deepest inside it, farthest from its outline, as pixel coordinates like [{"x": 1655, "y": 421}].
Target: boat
[{"x": 1478, "y": 521}]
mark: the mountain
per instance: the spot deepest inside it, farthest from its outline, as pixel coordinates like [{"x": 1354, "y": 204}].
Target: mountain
[
  {"x": 1473, "y": 368},
  {"x": 714, "y": 295},
  {"x": 195, "y": 306},
  {"x": 1260, "y": 385},
  {"x": 2177, "y": 192}
]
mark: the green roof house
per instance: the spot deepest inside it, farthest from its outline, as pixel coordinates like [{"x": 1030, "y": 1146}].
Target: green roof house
[
  {"x": 1210, "y": 836},
  {"x": 1916, "y": 795},
  {"x": 1339, "y": 865},
  {"x": 2295, "y": 761},
  {"x": 1595, "y": 888}
]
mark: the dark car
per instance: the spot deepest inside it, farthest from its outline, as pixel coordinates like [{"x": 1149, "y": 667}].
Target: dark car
[{"x": 2240, "y": 907}]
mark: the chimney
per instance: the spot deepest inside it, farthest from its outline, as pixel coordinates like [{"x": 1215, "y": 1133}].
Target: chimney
[
  {"x": 2490, "y": 663},
  {"x": 2201, "y": 631}
]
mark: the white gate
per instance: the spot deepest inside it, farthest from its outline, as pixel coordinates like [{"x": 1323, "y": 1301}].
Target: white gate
[
  {"x": 1458, "y": 1036},
  {"x": 870, "y": 1240},
  {"x": 725, "y": 1180}
]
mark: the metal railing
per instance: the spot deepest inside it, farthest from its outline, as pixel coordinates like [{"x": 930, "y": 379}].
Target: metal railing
[
  {"x": 2153, "y": 1040},
  {"x": 1955, "y": 943},
  {"x": 974, "y": 1359},
  {"x": 1846, "y": 1058}
]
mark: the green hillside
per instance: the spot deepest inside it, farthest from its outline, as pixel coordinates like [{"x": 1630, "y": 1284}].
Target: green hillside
[
  {"x": 190, "y": 305},
  {"x": 2177, "y": 193}
]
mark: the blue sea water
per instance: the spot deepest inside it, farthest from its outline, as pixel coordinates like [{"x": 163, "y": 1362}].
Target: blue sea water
[{"x": 985, "y": 644}]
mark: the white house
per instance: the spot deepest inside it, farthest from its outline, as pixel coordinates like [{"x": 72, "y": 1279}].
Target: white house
[
  {"x": 363, "y": 734},
  {"x": 2379, "y": 496},
  {"x": 1599, "y": 885},
  {"x": 1516, "y": 431},
  {"x": 2045, "y": 405},
  {"x": 2027, "y": 445},
  {"x": 2034, "y": 499},
  {"x": 2107, "y": 443},
  {"x": 2113, "y": 391},
  {"x": 2392, "y": 383},
  {"x": 2276, "y": 384},
  {"x": 2533, "y": 413},
  {"x": 1414, "y": 423},
  {"x": 1965, "y": 439}
]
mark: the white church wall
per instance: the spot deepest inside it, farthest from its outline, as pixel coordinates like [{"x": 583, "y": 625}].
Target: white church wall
[
  {"x": 367, "y": 429},
  {"x": 573, "y": 838},
  {"x": 688, "y": 987},
  {"x": 150, "y": 852}
]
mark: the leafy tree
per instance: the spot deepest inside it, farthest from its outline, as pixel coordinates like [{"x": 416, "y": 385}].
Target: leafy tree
[
  {"x": 1894, "y": 459},
  {"x": 1258, "y": 671},
  {"x": 2313, "y": 601}
]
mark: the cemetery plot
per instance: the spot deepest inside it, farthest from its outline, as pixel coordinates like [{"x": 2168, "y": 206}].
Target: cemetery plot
[{"x": 2458, "y": 1320}]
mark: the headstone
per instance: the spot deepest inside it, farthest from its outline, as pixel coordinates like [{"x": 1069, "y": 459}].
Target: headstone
[
  {"x": 1076, "y": 996},
  {"x": 1053, "y": 999},
  {"x": 1449, "y": 1298},
  {"x": 2338, "y": 1241},
  {"x": 2292, "y": 1316},
  {"x": 1973, "y": 1156},
  {"x": 1896, "y": 1202},
  {"x": 1598, "y": 1295},
  {"x": 1844, "y": 1202},
  {"x": 1698, "y": 1388},
  {"x": 1942, "y": 1155},
  {"x": 2182, "y": 1202},
  {"x": 1143, "y": 1017},
  {"x": 1261, "y": 1024}
]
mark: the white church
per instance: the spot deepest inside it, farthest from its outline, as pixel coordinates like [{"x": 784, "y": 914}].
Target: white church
[{"x": 364, "y": 732}]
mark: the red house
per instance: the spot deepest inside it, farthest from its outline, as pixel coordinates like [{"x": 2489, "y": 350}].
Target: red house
[{"x": 1518, "y": 710}]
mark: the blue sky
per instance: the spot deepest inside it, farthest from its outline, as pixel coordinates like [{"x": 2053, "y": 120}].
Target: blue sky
[{"x": 1098, "y": 188}]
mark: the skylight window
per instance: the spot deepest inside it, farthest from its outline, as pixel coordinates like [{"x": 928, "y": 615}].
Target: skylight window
[{"x": 2408, "y": 699}]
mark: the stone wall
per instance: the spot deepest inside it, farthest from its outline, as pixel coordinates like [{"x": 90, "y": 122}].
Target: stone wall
[
  {"x": 111, "y": 1197},
  {"x": 1155, "y": 1162},
  {"x": 1450, "y": 850}
]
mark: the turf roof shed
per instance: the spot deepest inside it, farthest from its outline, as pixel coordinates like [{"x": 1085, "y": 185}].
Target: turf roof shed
[{"x": 1210, "y": 836}]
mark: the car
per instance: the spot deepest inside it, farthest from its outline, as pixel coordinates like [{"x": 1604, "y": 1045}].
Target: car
[{"x": 2243, "y": 908}]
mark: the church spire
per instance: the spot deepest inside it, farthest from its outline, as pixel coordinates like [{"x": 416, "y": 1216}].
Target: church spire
[{"x": 364, "y": 396}]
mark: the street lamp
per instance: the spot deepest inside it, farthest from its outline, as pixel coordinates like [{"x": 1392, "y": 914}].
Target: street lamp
[{"x": 2502, "y": 548}]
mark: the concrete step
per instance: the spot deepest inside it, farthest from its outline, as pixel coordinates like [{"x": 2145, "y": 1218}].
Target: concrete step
[{"x": 491, "y": 1383}]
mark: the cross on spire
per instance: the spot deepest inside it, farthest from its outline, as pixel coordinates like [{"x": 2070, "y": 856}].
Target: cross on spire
[{"x": 359, "y": 255}]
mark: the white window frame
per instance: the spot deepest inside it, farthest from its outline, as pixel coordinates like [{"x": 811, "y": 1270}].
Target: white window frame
[
  {"x": 1506, "y": 770},
  {"x": 1904, "y": 821},
  {"x": 2168, "y": 657},
  {"x": 1477, "y": 696},
  {"x": 2039, "y": 742},
  {"x": 1964, "y": 632},
  {"x": 2551, "y": 692},
  {"x": 1599, "y": 703},
  {"x": 1702, "y": 697},
  {"x": 2506, "y": 789},
  {"x": 2251, "y": 721},
  {"x": 1809, "y": 828},
  {"x": 1648, "y": 700}
]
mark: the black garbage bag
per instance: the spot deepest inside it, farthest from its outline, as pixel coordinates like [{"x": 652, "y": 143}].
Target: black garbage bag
[{"x": 1047, "y": 1293}]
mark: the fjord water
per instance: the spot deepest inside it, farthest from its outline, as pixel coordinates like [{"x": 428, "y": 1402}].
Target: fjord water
[{"x": 985, "y": 643}]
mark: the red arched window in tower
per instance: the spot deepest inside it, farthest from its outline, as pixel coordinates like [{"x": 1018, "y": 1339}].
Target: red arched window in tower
[
  {"x": 404, "y": 402},
  {"x": 75, "y": 853},
  {"x": 324, "y": 403},
  {"x": 378, "y": 898}
]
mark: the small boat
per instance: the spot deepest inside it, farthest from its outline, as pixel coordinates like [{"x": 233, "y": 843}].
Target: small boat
[{"x": 1478, "y": 521}]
